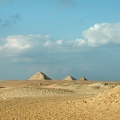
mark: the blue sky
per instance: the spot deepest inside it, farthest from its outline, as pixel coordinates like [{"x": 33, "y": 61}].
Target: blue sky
[{"x": 60, "y": 38}]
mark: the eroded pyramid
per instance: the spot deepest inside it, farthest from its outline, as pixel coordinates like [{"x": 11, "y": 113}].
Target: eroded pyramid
[
  {"x": 83, "y": 79},
  {"x": 69, "y": 78},
  {"x": 39, "y": 76}
]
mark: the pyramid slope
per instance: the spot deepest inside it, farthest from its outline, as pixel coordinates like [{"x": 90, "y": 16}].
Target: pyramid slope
[
  {"x": 69, "y": 78},
  {"x": 39, "y": 76}
]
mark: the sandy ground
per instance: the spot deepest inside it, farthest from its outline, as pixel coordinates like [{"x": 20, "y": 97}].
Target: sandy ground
[{"x": 59, "y": 100}]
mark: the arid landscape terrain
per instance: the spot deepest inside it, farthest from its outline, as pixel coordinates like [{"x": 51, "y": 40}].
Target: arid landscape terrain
[
  {"x": 59, "y": 99},
  {"x": 59, "y": 59}
]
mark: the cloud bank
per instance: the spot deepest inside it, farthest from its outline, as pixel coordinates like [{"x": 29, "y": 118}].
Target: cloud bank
[{"x": 98, "y": 35}]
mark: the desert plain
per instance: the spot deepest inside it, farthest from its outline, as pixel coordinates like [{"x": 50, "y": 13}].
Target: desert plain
[{"x": 59, "y": 100}]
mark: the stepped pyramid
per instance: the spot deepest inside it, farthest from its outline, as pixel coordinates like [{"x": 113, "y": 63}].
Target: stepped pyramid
[
  {"x": 69, "y": 78},
  {"x": 39, "y": 76},
  {"x": 83, "y": 79}
]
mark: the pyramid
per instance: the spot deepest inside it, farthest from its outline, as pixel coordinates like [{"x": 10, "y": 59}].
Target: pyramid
[
  {"x": 69, "y": 78},
  {"x": 39, "y": 76},
  {"x": 83, "y": 79}
]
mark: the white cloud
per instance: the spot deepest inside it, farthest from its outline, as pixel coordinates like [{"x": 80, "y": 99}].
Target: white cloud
[
  {"x": 79, "y": 42},
  {"x": 47, "y": 37},
  {"x": 102, "y": 34},
  {"x": 17, "y": 42},
  {"x": 20, "y": 43},
  {"x": 59, "y": 42},
  {"x": 48, "y": 44}
]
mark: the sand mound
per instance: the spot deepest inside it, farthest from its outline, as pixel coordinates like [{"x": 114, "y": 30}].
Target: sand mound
[
  {"x": 83, "y": 79},
  {"x": 69, "y": 78},
  {"x": 39, "y": 76},
  {"x": 110, "y": 96},
  {"x": 101, "y": 85}
]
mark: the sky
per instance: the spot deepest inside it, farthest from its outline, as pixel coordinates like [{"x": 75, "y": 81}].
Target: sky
[{"x": 60, "y": 38}]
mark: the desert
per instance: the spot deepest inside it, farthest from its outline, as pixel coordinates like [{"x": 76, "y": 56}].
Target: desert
[
  {"x": 67, "y": 99},
  {"x": 59, "y": 59}
]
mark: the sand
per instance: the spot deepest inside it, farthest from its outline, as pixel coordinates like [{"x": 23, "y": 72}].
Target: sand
[{"x": 59, "y": 100}]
